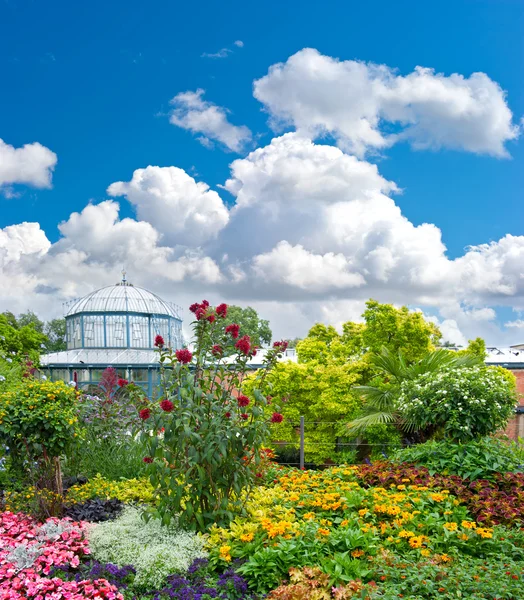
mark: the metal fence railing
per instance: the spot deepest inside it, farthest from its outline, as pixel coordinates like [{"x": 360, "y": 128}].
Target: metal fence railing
[{"x": 304, "y": 450}]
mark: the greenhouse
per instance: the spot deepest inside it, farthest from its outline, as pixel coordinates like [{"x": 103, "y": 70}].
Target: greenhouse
[{"x": 115, "y": 326}]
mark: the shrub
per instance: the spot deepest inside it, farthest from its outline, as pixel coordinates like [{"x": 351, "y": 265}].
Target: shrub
[
  {"x": 38, "y": 422},
  {"x": 153, "y": 550},
  {"x": 474, "y": 459},
  {"x": 460, "y": 404},
  {"x": 197, "y": 437}
]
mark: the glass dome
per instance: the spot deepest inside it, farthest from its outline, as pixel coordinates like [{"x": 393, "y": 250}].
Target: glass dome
[
  {"x": 122, "y": 297},
  {"x": 122, "y": 316}
]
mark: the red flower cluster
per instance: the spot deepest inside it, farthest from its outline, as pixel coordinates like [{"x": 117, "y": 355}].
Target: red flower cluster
[
  {"x": 144, "y": 414},
  {"x": 281, "y": 346},
  {"x": 234, "y": 330},
  {"x": 167, "y": 406},
  {"x": 159, "y": 341},
  {"x": 147, "y": 459},
  {"x": 217, "y": 350},
  {"x": 221, "y": 310},
  {"x": 276, "y": 418},
  {"x": 243, "y": 400},
  {"x": 244, "y": 416},
  {"x": 199, "y": 310},
  {"x": 123, "y": 382},
  {"x": 244, "y": 345},
  {"x": 183, "y": 356}
]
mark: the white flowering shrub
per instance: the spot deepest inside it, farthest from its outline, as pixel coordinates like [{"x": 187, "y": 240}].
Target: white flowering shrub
[
  {"x": 460, "y": 404},
  {"x": 155, "y": 551}
]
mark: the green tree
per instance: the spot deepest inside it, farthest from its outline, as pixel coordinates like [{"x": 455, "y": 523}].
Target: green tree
[
  {"x": 30, "y": 318},
  {"x": 250, "y": 324},
  {"x": 476, "y": 347},
  {"x": 321, "y": 387},
  {"x": 398, "y": 329},
  {"x": 23, "y": 342},
  {"x": 55, "y": 331}
]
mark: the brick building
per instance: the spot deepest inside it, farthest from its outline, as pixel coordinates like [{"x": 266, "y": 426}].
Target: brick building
[{"x": 512, "y": 358}]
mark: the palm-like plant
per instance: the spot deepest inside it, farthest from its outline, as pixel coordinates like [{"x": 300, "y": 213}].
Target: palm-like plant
[{"x": 380, "y": 401}]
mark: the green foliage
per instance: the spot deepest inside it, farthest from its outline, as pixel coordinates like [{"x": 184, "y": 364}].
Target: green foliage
[
  {"x": 459, "y": 404},
  {"x": 55, "y": 331},
  {"x": 127, "y": 490},
  {"x": 38, "y": 418},
  {"x": 463, "y": 577},
  {"x": 153, "y": 550},
  {"x": 398, "y": 329},
  {"x": 393, "y": 370},
  {"x": 250, "y": 324},
  {"x": 319, "y": 392},
  {"x": 476, "y": 347},
  {"x": 204, "y": 446},
  {"x": 474, "y": 459},
  {"x": 481, "y": 458},
  {"x": 19, "y": 343},
  {"x": 110, "y": 457}
]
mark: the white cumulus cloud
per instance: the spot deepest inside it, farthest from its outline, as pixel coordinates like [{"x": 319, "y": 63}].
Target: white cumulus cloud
[
  {"x": 184, "y": 211},
  {"x": 32, "y": 164},
  {"x": 352, "y": 100},
  {"x": 192, "y": 112}
]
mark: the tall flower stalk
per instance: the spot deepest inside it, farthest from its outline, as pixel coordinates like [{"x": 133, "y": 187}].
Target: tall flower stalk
[{"x": 203, "y": 440}]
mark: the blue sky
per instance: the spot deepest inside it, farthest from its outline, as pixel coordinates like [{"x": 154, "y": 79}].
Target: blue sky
[{"x": 92, "y": 82}]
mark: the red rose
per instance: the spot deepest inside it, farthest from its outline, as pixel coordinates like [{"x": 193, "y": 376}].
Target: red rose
[
  {"x": 123, "y": 382},
  {"x": 233, "y": 329},
  {"x": 221, "y": 310},
  {"x": 211, "y": 318},
  {"x": 183, "y": 356},
  {"x": 243, "y": 401},
  {"x": 167, "y": 406},
  {"x": 276, "y": 418},
  {"x": 144, "y": 414},
  {"x": 147, "y": 459},
  {"x": 244, "y": 416},
  {"x": 159, "y": 341},
  {"x": 217, "y": 350},
  {"x": 244, "y": 345},
  {"x": 228, "y": 415}
]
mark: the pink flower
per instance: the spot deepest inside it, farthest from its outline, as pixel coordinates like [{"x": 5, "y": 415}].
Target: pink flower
[
  {"x": 123, "y": 382},
  {"x": 147, "y": 459},
  {"x": 221, "y": 310},
  {"x": 167, "y": 406},
  {"x": 243, "y": 400},
  {"x": 276, "y": 418},
  {"x": 159, "y": 341},
  {"x": 233, "y": 329},
  {"x": 183, "y": 356},
  {"x": 144, "y": 414},
  {"x": 244, "y": 345}
]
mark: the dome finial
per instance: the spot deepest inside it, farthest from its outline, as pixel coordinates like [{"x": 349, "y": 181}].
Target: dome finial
[{"x": 124, "y": 280}]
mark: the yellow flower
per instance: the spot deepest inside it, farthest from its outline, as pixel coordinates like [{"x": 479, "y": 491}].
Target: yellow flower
[
  {"x": 451, "y": 526},
  {"x": 445, "y": 558},
  {"x": 405, "y": 534},
  {"x": 357, "y": 553},
  {"x": 469, "y": 524},
  {"x": 224, "y": 553},
  {"x": 425, "y": 552},
  {"x": 437, "y": 497},
  {"x": 344, "y": 523},
  {"x": 247, "y": 537},
  {"x": 323, "y": 531},
  {"x": 484, "y": 533}
]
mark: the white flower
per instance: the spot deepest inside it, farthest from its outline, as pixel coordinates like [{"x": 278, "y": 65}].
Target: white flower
[
  {"x": 72, "y": 383},
  {"x": 9, "y": 360},
  {"x": 2, "y": 378}
]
